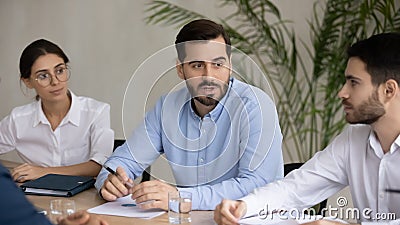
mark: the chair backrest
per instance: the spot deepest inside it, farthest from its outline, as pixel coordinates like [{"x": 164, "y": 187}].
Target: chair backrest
[
  {"x": 146, "y": 172},
  {"x": 117, "y": 143},
  {"x": 289, "y": 167}
]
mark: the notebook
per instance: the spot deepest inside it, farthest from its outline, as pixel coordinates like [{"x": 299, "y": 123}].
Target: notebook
[{"x": 58, "y": 185}]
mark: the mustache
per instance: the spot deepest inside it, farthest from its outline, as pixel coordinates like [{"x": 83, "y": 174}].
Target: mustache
[
  {"x": 346, "y": 103},
  {"x": 208, "y": 83}
]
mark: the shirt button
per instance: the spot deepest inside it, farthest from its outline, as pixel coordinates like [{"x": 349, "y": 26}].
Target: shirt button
[
  {"x": 201, "y": 160},
  {"x": 203, "y": 131},
  {"x": 381, "y": 195}
]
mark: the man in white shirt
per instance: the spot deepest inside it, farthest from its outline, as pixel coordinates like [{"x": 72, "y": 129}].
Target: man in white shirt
[{"x": 364, "y": 156}]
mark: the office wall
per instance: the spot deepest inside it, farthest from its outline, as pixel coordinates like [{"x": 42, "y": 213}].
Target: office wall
[{"x": 106, "y": 42}]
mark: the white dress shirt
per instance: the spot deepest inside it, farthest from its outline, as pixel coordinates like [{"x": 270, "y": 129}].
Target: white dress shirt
[
  {"x": 84, "y": 134},
  {"x": 354, "y": 158}
]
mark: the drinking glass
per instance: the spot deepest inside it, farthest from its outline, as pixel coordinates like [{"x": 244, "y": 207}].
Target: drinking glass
[
  {"x": 179, "y": 207},
  {"x": 61, "y": 208}
]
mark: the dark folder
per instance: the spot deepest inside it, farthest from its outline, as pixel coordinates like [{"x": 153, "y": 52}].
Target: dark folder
[{"x": 58, "y": 185}]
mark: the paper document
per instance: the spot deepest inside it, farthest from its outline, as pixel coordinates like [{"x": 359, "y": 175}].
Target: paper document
[{"x": 127, "y": 207}]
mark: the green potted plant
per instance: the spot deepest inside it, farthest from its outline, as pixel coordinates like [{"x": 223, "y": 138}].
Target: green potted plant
[{"x": 306, "y": 96}]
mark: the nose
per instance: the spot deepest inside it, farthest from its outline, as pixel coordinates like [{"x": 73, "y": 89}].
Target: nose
[
  {"x": 343, "y": 94},
  {"x": 208, "y": 71},
  {"x": 54, "y": 81}
]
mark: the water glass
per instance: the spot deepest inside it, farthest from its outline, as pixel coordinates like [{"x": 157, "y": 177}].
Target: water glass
[
  {"x": 179, "y": 207},
  {"x": 61, "y": 208}
]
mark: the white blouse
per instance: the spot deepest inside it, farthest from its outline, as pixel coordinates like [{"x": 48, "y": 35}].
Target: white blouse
[{"x": 84, "y": 134}]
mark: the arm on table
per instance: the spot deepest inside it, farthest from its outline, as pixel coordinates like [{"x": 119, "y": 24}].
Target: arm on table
[{"x": 26, "y": 171}]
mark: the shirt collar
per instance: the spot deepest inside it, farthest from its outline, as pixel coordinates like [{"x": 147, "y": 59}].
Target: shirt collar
[
  {"x": 40, "y": 117},
  {"x": 216, "y": 112},
  {"x": 396, "y": 145},
  {"x": 376, "y": 145},
  {"x": 73, "y": 116}
]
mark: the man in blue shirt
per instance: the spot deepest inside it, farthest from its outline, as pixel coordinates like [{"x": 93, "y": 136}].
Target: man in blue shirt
[{"x": 220, "y": 136}]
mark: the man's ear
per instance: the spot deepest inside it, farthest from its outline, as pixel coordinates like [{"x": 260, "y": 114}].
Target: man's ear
[
  {"x": 27, "y": 82},
  {"x": 391, "y": 88},
  {"x": 179, "y": 69}
]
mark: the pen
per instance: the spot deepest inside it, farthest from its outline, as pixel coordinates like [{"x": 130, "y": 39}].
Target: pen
[
  {"x": 114, "y": 173},
  {"x": 393, "y": 190}
]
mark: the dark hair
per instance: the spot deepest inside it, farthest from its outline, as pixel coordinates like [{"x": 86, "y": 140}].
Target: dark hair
[
  {"x": 33, "y": 51},
  {"x": 381, "y": 54},
  {"x": 201, "y": 29}
]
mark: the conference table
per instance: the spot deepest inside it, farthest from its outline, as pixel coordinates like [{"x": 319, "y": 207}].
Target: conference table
[{"x": 89, "y": 198}]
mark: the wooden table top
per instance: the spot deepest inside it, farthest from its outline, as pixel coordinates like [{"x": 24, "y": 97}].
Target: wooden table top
[{"x": 90, "y": 198}]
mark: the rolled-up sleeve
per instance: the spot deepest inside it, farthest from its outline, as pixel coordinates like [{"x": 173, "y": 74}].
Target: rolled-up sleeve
[{"x": 102, "y": 136}]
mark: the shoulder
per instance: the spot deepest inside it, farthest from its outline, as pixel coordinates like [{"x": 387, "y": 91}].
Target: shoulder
[
  {"x": 24, "y": 110},
  {"x": 250, "y": 94},
  {"x": 352, "y": 136},
  {"x": 349, "y": 144},
  {"x": 90, "y": 104},
  {"x": 355, "y": 131},
  {"x": 174, "y": 98}
]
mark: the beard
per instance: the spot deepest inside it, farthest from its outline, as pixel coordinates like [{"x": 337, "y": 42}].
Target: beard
[
  {"x": 368, "y": 112},
  {"x": 206, "y": 100},
  {"x": 211, "y": 99}
]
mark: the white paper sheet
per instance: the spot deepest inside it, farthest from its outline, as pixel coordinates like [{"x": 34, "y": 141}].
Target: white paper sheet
[{"x": 125, "y": 206}]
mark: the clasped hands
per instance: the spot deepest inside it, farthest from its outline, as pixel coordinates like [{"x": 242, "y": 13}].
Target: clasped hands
[{"x": 148, "y": 195}]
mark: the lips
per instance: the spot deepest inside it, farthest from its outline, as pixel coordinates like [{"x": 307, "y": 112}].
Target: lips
[
  {"x": 347, "y": 106},
  {"x": 208, "y": 88},
  {"x": 58, "y": 91}
]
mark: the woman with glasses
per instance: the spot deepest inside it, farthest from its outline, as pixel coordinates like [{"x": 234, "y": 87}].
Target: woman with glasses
[{"x": 60, "y": 132}]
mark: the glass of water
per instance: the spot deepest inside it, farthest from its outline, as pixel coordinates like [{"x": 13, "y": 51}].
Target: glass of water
[
  {"x": 179, "y": 207},
  {"x": 61, "y": 208}
]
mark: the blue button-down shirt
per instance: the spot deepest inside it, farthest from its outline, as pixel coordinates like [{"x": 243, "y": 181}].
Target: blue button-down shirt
[{"x": 226, "y": 154}]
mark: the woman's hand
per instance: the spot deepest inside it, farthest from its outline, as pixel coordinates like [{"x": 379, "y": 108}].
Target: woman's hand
[{"x": 27, "y": 172}]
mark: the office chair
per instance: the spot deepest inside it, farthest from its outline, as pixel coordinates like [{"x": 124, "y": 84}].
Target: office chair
[
  {"x": 146, "y": 172},
  {"x": 287, "y": 168}
]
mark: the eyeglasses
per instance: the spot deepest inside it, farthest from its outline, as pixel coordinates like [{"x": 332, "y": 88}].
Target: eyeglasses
[{"x": 61, "y": 73}]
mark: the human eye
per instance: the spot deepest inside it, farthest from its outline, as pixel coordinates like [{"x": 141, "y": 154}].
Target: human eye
[
  {"x": 43, "y": 76},
  {"x": 60, "y": 70},
  {"x": 353, "y": 82},
  {"x": 219, "y": 64},
  {"x": 197, "y": 65}
]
